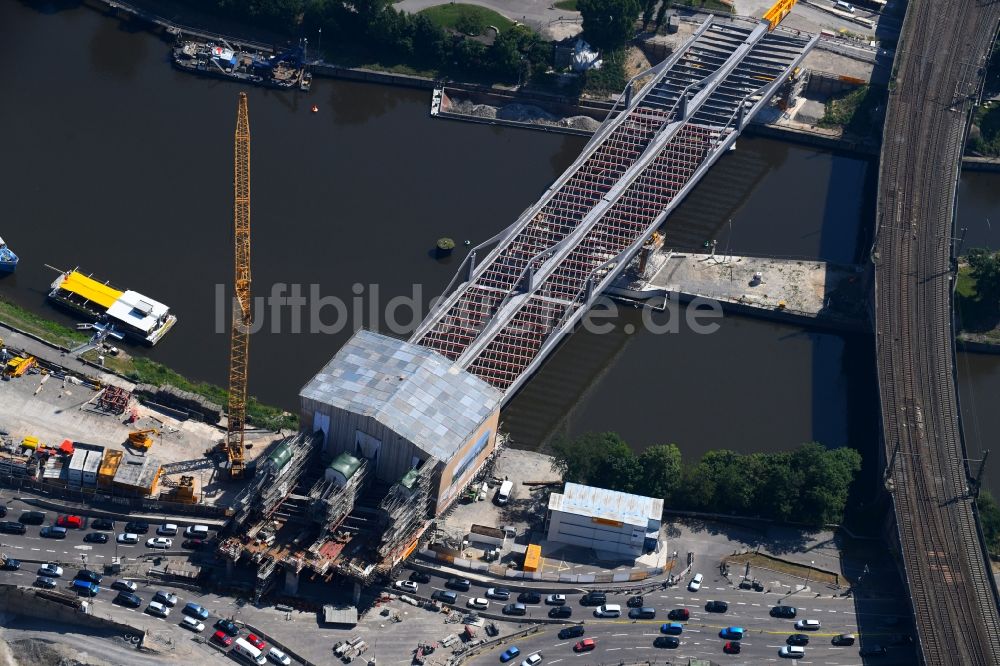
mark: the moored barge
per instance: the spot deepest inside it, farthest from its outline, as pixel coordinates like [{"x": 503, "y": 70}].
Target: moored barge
[
  {"x": 136, "y": 316},
  {"x": 283, "y": 70}
]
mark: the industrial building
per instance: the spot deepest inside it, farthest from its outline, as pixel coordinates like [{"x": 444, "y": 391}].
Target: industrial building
[
  {"x": 605, "y": 520},
  {"x": 400, "y": 407}
]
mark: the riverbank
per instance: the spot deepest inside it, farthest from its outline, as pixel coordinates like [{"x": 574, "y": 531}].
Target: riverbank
[{"x": 52, "y": 342}]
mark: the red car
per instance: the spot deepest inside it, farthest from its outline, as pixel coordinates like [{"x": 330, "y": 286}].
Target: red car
[
  {"x": 255, "y": 641},
  {"x": 679, "y": 614},
  {"x": 222, "y": 638},
  {"x": 731, "y": 647},
  {"x": 73, "y": 522},
  {"x": 586, "y": 645}
]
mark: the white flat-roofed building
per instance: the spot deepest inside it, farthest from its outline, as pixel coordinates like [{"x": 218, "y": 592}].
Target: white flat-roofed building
[{"x": 605, "y": 520}]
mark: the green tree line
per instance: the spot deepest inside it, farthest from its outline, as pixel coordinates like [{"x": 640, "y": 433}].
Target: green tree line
[{"x": 808, "y": 485}]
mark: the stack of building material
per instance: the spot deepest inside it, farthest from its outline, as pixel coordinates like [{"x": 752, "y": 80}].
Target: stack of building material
[{"x": 109, "y": 465}]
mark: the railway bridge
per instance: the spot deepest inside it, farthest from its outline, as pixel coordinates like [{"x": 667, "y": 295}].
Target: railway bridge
[
  {"x": 939, "y": 70},
  {"x": 519, "y": 293}
]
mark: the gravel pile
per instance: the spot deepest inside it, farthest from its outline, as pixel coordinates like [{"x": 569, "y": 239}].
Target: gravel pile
[{"x": 523, "y": 113}]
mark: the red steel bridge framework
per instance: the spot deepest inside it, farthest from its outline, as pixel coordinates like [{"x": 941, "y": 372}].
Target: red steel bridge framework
[{"x": 503, "y": 314}]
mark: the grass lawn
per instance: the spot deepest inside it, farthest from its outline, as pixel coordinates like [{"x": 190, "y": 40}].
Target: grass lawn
[
  {"x": 47, "y": 330},
  {"x": 784, "y": 566},
  {"x": 469, "y": 19},
  {"x": 568, "y": 5}
]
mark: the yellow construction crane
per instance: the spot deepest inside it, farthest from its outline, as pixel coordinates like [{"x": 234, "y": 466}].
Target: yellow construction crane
[
  {"x": 778, "y": 11},
  {"x": 240, "y": 340}
]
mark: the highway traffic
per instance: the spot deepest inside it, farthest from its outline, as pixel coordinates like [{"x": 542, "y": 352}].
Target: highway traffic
[{"x": 623, "y": 638}]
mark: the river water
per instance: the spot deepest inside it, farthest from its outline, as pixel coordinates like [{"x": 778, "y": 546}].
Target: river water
[{"x": 118, "y": 164}]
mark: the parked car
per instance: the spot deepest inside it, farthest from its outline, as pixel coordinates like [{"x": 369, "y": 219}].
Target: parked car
[
  {"x": 51, "y": 570},
  {"x": 478, "y": 603},
  {"x": 96, "y": 537},
  {"x": 644, "y": 613},
  {"x": 843, "y": 639},
  {"x": 228, "y": 627},
  {"x": 787, "y": 612},
  {"x": 167, "y": 529},
  {"x": 12, "y": 527},
  {"x": 672, "y": 628},
  {"x": 406, "y": 586},
  {"x": 586, "y": 645},
  {"x": 420, "y": 577},
  {"x": 666, "y": 642},
  {"x": 3, "y": 510},
  {"x": 716, "y": 606},
  {"x": 634, "y": 601},
  {"x": 102, "y": 524},
  {"x": 560, "y": 612},
  {"x": 10, "y": 564},
  {"x": 124, "y": 586},
  {"x": 165, "y": 598},
  {"x": 159, "y": 542},
  {"x": 254, "y": 640},
  {"x": 515, "y": 609},
  {"x": 193, "y": 544},
  {"x": 53, "y": 532},
  {"x": 462, "y": 584},
  {"x": 791, "y": 652},
  {"x": 798, "y": 639},
  {"x": 731, "y": 647},
  {"x": 732, "y": 633},
  {"x": 679, "y": 614},
  {"x": 279, "y": 657},
  {"x": 128, "y": 599},
  {"x": 575, "y": 631},
  {"x": 501, "y": 593},
  {"x": 127, "y": 538},
  {"x": 444, "y": 596},
  {"x": 221, "y": 638},
  {"x": 89, "y": 576},
  {"x": 193, "y": 624},
  {"x": 46, "y": 582},
  {"x": 594, "y": 599},
  {"x": 70, "y": 522},
  {"x": 608, "y": 610},
  {"x": 509, "y": 654},
  {"x": 195, "y": 610},
  {"x": 872, "y": 650},
  {"x": 529, "y": 598},
  {"x": 84, "y": 587},
  {"x": 158, "y": 609},
  {"x": 136, "y": 527},
  {"x": 808, "y": 625},
  {"x": 555, "y": 599}
]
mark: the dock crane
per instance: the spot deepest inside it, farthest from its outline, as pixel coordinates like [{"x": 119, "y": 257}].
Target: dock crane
[{"x": 240, "y": 339}]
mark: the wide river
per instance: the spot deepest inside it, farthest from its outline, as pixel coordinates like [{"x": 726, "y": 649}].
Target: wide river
[{"x": 116, "y": 163}]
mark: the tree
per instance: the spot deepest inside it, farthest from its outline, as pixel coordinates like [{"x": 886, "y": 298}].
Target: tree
[
  {"x": 580, "y": 459},
  {"x": 660, "y": 471},
  {"x": 647, "y": 13},
  {"x": 661, "y": 14},
  {"x": 609, "y": 24},
  {"x": 989, "y": 518},
  {"x": 985, "y": 266},
  {"x": 827, "y": 478}
]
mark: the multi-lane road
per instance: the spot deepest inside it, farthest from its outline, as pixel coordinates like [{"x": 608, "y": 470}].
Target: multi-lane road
[{"x": 623, "y": 639}]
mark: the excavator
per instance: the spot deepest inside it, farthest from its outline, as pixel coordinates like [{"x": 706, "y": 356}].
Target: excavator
[{"x": 140, "y": 439}]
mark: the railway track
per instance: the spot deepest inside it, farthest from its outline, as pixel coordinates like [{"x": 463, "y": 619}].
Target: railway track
[{"x": 943, "y": 45}]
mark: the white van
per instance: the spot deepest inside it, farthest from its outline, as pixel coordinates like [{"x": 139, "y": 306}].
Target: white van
[
  {"x": 608, "y": 610},
  {"x": 503, "y": 495},
  {"x": 249, "y": 652},
  {"x": 196, "y": 532},
  {"x": 844, "y": 6}
]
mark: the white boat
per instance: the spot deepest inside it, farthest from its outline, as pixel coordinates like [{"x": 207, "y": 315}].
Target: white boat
[{"x": 8, "y": 260}]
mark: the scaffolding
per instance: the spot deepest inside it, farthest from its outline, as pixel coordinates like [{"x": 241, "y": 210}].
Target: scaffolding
[
  {"x": 332, "y": 500},
  {"x": 405, "y": 509},
  {"x": 114, "y": 399},
  {"x": 275, "y": 479}
]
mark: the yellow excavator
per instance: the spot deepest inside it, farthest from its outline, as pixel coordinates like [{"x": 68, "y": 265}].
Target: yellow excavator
[{"x": 140, "y": 439}]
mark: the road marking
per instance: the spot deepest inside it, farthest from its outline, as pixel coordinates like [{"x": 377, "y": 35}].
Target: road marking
[
  {"x": 681, "y": 598},
  {"x": 755, "y": 604},
  {"x": 101, "y": 556},
  {"x": 613, "y": 649},
  {"x": 561, "y": 644},
  {"x": 19, "y": 547},
  {"x": 615, "y": 635},
  {"x": 741, "y": 603},
  {"x": 50, "y": 551},
  {"x": 694, "y": 631},
  {"x": 721, "y": 588},
  {"x": 555, "y": 661},
  {"x": 831, "y": 611}
]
